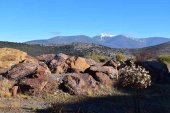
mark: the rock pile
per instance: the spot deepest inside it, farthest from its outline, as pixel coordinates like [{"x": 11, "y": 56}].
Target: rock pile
[{"x": 48, "y": 73}]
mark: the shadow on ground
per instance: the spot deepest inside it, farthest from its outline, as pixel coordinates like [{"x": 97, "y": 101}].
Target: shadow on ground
[{"x": 150, "y": 102}]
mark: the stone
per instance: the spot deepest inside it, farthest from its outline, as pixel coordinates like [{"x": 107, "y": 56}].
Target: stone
[
  {"x": 46, "y": 58},
  {"x": 42, "y": 70},
  {"x": 58, "y": 66},
  {"x": 104, "y": 79},
  {"x": 32, "y": 86},
  {"x": 21, "y": 70},
  {"x": 77, "y": 64},
  {"x": 110, "y": 71},
  {"x": 78, "y": 84},
  {"x": 159, "y": 71},
  {"x": 10, "y": 57}
]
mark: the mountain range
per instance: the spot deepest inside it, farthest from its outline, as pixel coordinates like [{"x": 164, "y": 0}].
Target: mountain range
[{"x": 118, "y": 41}]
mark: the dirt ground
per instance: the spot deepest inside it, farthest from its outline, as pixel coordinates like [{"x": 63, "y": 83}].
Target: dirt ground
[{"x": 155, "y": 99}]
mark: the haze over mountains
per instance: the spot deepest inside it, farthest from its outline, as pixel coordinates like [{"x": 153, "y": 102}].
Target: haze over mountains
[{"x": 118, "y": 41}]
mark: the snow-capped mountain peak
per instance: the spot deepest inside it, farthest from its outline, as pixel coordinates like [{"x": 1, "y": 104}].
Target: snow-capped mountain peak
[{"x": 103, "y": 35}]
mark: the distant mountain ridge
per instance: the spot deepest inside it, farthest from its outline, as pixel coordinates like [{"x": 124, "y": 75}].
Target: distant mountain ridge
[{"x": 118, "y": 41}]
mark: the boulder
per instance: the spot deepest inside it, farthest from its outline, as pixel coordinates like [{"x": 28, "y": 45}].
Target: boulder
[
  {"x": 58, "y": 66},
  {"x": 159, "y": 71},
  {"x": 77, "y": 64},
  {"x": 110, "y": 71},
  {"x": 46, "y": 58},
  {"x": 32, "y": 86},
  {"x": 65, "y": 64},
  {"x": 79, "y": 84},
  {"x": 41, "y": 84},
  {"x": 42, "y": 70},
  {"x": 62, "y": 56},
  {"x": 10, "y": 57},
  {"x": 21, "y": 70},
  {"x": 104, "y": 79}
]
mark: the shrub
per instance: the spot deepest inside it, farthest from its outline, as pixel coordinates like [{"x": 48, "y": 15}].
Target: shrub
[
  {"x": 98, "y": 58},
  {"x": 164, "y": 58},
  {"x": 120, "y": 57},
  {"x": 134, "y": 76}
]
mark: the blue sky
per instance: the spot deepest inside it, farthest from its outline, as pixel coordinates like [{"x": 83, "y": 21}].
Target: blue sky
[{"x": 22, "y": 20}]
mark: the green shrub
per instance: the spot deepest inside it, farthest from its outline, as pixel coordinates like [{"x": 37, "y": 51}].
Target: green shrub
[
  {"x": 98, "y": 58},
  {"x": 120, "y": 57},
  {"x": 164, "y": 58}
]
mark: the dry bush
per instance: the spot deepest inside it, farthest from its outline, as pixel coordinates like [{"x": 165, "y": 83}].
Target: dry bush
[{"x": 134, "y": 76}]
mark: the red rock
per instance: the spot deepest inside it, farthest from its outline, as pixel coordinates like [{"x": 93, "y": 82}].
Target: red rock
[
  {"x": 34, "y": 85},
  {"x": 46, "y": 58},
  {"x": 42, "y": 70},
  {"x": 21, "y": 70},
  {"x": 104, "y": 79},
  {"x": 110, "y": 71},
  {"x": 79, "y": 84}
]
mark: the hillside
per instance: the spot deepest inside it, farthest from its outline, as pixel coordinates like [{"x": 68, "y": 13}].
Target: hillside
[
  {"x": 157, "y": 50},
  {"x": 77, "y": 49}
]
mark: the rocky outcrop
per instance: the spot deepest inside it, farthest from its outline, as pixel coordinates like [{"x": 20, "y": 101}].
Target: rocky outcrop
[{"x": 10, "y": 57}]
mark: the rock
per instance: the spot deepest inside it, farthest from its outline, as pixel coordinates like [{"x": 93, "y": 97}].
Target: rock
[
  {"x": 38, "y": 85},
  {"x": 110, "y": 71},
  {"x": 79, "y": 84},
  {"x": 46, "y": 58},
  {"x": 42, "y": 70},
  {"x": 21, "y": 70},
  {"x": 77, "y": 64},
  {"x": 58, "y": 66},
  {"x": 62, "y": 56},
  {"x": 63, "y": 64},
  {"x": 5, "y": 86},
  {"x": 32, "y": 86},
  {"x": 112, "y": 63},
  {"x": 30, "y": 59},
  {"x": 158, "y": 71},
  {"x": 91, "y": 62},
  {"x": 10, "y": 57},
  {"x": 104, "y": 79}
]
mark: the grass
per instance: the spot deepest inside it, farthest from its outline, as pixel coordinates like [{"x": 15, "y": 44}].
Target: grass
[{"x": 165, "y": 58}]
